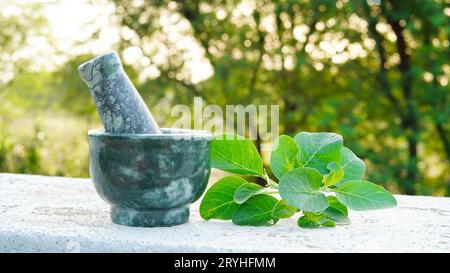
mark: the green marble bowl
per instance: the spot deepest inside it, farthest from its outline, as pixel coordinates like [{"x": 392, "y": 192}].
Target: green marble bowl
[{"x": 150, "y": 179}]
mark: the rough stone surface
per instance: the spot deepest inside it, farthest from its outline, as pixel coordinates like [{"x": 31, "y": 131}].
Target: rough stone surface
[
  {"x": 51, "y": 214},
  {"x": 119, "y": 105}
]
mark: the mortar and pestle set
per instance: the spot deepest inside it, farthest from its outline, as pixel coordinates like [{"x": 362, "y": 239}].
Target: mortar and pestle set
[{"x": 148, "y": 175}]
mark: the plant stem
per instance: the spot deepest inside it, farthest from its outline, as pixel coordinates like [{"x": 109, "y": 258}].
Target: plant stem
[{"x": 272, "y": 184}]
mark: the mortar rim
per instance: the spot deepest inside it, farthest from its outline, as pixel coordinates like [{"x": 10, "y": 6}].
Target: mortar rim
[{"x": 177, "y": 133}]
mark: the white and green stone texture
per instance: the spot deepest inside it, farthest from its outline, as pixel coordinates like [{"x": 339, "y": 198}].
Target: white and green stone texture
[{"x": 119, "y": 105}]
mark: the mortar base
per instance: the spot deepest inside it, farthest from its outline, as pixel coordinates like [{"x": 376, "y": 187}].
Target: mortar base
[{"x": 149, "y": 217}]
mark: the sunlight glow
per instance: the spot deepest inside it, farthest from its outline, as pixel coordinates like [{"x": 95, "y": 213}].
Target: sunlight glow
[{"x": 72, "y": 24}]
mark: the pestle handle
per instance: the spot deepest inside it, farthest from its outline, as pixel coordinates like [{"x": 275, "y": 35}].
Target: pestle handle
[{"x": 119, "y": 105}]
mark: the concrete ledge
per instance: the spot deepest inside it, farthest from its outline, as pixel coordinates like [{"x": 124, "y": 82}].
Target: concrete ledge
[{"x": 55, "y": 214}]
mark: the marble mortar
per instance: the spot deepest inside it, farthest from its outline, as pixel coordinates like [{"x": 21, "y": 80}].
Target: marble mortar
[
  {"x": 150, "y": 179},
  {"x": 149, "y": 176}
]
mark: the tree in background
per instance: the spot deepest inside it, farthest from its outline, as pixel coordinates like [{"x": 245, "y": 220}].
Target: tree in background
[
  {"x": 376, "y": 74},
  {"x": 19, "y": 25},
  {"x": 413, "y": 74}
]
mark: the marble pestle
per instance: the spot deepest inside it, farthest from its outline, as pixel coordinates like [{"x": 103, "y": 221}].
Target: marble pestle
[{"x": 119, "y": 105}]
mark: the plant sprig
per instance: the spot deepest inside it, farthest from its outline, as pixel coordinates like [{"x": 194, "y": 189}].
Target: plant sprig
[{"x": 317, "y": 177}]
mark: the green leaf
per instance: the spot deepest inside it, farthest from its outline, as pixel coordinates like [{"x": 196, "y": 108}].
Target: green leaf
[
  {"x": 283, "y": 210},
  {"x": 257, "y": 211},
  {"x": 305, "y": 222},
  {"x": 335, "y": 175},
  {"x": 328, "y": 223},
  {"x": 333, "y": 202},
  {"x": 218, "y": 201},
  {"x": 315, "y": 220},
  {"x": 363, "y": 195},
  {"x": 247, "y": 190},
  {"x": 337, "y": 216},
  {"x": 284, "y": 156},
  {"x": 235, "y": 154},
  {"x": 354, "y": 168},
  {"x": 319, "y": 149},
  {"x": 337, "y": 211},
  {"x": 300, "y": 188}
]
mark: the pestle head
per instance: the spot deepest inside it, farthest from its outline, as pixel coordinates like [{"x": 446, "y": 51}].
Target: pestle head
[
  {"x": 119, "y": 105},
  {"x": 105, "y": 65}
]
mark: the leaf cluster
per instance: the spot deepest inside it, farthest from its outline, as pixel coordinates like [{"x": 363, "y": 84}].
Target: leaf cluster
[{"x": 316, "y": 176}]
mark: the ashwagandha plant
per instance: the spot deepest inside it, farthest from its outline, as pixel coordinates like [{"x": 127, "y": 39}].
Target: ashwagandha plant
[{"x": 318, "y": 178}]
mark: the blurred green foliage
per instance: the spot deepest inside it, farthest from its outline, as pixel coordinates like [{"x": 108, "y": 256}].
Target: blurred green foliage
[{"x": 378, "y": 75}]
